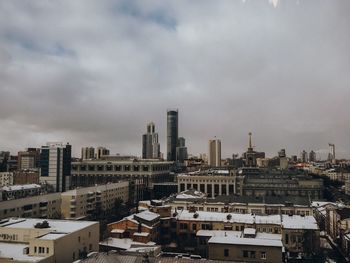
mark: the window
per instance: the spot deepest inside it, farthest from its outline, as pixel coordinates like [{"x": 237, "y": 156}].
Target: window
[
  {"x": 90, "y": 247},
  {"x": 79, "y": 239},
  {"x": 226, "y": 252},
  {"x": 286, "y": 239},
  {"x": 245, "y": 253},
  {"x": 248, "y": 254},
  {"x": 35, "y": 249},
  {"x": 73, "y": 255},
  {"x": 89, "y": 234},
  {"x": 263, "y": 255},
  {"x": 194, "y": 227},
  {"x": 47, "y": 250}
]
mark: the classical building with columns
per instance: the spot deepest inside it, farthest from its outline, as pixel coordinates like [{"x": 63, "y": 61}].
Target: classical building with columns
[{"x": 212, "y": 182}]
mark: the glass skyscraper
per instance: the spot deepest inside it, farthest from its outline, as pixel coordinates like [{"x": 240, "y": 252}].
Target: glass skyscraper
[{"x": 172, "y": 134}]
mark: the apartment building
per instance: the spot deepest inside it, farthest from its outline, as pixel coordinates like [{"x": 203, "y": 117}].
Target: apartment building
[
  {"x": 83, "y": 202},
  {"x": 48, "y": 241},
  {"x": 20, "y": 191},
  {"x": 40, "y": 206},
  {"x": 6, "y": 178}
]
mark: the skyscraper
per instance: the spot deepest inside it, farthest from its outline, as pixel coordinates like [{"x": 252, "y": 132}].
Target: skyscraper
[
  {"x": 303, "y": 156},
  {"x": 87, "y": 153},
  {"x": 172, "y": 134},
  {"x": 150, "y": 144},
  {"x": 181, "y": 150},
  {"x": 214, "y": 152},
  {"x": 55, "y": 165},
  {"x": 312, "y": 156}
]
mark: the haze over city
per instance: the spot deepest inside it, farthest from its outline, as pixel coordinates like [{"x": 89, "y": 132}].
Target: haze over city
[{"x": 95, "y": 74}]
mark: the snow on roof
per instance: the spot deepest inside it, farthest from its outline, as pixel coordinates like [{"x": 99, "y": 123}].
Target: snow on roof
[
  {"x": 230, "y": 240},
  {"x": 20, "y": 187},
  {"x": 218, "y": 233},
  {"x": 52, "y": 236},
  {"x": 119, "y": 231},
  {"x": 15, "y": 252},
  {"x": 293, "y": 222},
  {"x": 124, "y": 243},
  {"x": 147, "y": 215},
  {"x": 299, "y": 222},
  {"x": 61, "y": 226},
  {"x": 249, "y": 231},
  {"x": 235, "y": 217}
]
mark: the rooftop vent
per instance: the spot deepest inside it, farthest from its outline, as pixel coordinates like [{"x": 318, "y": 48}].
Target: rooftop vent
[
  {"x": 43, "y": 224},
  {"x": 195, "y": 215}
]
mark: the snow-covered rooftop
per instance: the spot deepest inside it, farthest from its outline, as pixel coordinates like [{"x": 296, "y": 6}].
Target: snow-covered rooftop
[
  {"x": 257, "y": 241},
  {"x": 60, "y": 226},
  {"x": 52, "y": 236},
  {"x": 147, "y": 215},
  {"x": 294, "y": 222},
  {"x": 124, "y": 243},
  {"x": 20, "y": 187},
  {"x": 299, "y": 222},
  {"x": 142, "y": 234}
]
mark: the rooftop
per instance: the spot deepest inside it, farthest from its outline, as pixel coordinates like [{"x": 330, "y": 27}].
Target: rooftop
[
  {"x": 58, "y": 226},
  {"x": 20, "y": 187},
  {"x": 147, "y": 215}
]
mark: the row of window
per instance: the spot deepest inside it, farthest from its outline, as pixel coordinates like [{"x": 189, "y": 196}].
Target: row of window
[
  {"x": 135, "y": 168},
  {"x": 41, "y": 250}
]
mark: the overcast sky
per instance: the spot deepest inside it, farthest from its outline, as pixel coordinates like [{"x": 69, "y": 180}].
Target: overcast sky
[{"x": 96, "y": 72}]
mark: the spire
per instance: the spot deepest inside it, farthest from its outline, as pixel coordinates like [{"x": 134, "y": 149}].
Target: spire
[{"x": 250, "y": 140}]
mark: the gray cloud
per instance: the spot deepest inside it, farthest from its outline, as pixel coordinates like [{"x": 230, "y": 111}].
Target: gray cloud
[{"x": 94, "y": 73}]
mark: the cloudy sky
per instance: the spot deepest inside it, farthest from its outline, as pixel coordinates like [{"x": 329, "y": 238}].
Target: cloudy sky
[{"x": 95, "y": 72}]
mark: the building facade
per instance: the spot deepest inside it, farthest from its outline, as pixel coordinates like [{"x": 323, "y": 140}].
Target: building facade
[
  {"x": 6, "y": 178},
  {"x": 87, "y": 153},
  {"x": 48, "y": 241},
  {"x": 55, "y": 166},
  {"x": 84, "y": 202},
  {"x": 214, "y": 153},
  {"x": 172, "y": 134},
  {"x": 150, "y": 144}
]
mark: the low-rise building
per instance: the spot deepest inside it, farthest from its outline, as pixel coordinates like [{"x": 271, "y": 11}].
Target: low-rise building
[
  {"x": 242, "y": 246},
  {"x": 48, "y": 241},
  {"x": 83, "y": 202}
]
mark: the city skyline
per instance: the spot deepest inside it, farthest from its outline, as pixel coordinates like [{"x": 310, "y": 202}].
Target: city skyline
[{"x": 229, "y": 67}]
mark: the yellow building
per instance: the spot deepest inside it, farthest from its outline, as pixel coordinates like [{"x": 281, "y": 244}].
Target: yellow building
[{"x": 48, "y": 241}]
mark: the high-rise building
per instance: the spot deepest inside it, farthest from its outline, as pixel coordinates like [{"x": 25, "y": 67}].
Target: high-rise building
[
  {"x": 150, "y": 144},
  {"x": 303, "y": 156},
  {"x": 214, "y": 152},
  {"x": 331, "y": 154},
  {"x": 172, "y": 134},
  {"x": 101, "y": 151},
  {"x": 312, "y": 156},
  {"x": 181, "y": 150},
  {"x": 29, "y": 159},
  {"x": 282, "y": 153},
  {"x": 87, "y": 153},
  {"x": 55, "y": 165}
]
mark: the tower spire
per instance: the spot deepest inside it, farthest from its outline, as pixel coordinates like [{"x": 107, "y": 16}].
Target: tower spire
[{"x": 250, "y": 140}]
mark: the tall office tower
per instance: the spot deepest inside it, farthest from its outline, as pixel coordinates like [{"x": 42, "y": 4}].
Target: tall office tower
[
  {"x": 172, "y": 134},
  {"x": 55, "y": 165},
  {"x": 101, "y": 151},
  {"x": 312, "y": 156},
  {"x": 181, "y": 150},
  {"x": 282, "y": 153},
  {"x": 214, "y": 153},
  {"x": 331, "y": 154},
  {"x": 29, "y": 159},
  {"x": 150, "y": 144},
  {"x": 303, "y": 156},
  {"x": 87, "y": 153}
]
